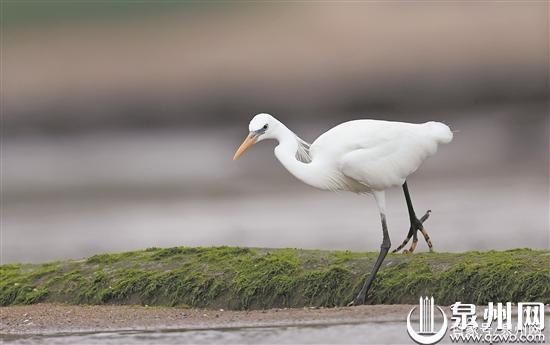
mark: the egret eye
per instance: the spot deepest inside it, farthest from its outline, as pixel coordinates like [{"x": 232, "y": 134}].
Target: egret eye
[{"x": 264, "y": 127}]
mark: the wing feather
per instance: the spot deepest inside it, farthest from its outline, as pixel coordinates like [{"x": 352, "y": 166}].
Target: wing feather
[{"x": 378, "y": 154}]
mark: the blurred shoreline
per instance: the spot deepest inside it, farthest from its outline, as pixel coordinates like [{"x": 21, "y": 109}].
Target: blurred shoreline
[
  {"x": 119, "y": 122},
  {"x": 218, "y": 65},
  {"x": 69, "y": 197}
]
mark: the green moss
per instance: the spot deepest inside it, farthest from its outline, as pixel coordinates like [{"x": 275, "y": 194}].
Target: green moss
[
  {"x": 340, "y": 257},
  {"x": 475, "y": 277},
  {"x": 328, "y": 287},
  {"x": 266, "y": 280},
  {"x": 251, "y": 278},
  {"x": 22, "y": 284}
]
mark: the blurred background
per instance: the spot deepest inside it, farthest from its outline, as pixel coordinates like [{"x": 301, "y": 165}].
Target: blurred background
[{"x": 120, "y": 120}]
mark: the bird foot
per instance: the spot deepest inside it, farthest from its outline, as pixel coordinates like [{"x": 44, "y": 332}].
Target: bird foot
[
  {"x": 416, "y": 225},
  {"x": 357, "y": 301}
]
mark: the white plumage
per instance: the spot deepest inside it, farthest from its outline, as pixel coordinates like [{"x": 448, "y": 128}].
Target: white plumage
[
  {"x": 378, "y": 154},
  {"x": 361, "y": 156}
]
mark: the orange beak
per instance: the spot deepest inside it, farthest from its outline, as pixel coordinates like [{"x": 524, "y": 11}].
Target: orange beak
[{"x": 247, "y": 143}]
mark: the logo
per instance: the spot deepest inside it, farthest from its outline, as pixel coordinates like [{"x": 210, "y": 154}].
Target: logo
[
  {"x": 426, "y": 334},
  {"x": 497, "y": 324},
  {"x": 467, "y": 325}
]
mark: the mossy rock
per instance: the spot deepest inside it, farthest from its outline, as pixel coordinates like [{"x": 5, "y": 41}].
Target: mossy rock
[{"x": 253, "y": 278}]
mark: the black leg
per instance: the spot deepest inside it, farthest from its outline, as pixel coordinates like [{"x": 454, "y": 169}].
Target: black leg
[
  {"x": 416, "y": 224},
  {"x": 384, "y": 248}
]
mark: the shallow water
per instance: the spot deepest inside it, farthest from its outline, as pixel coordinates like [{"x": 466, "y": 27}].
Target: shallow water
[
  {"x": 391, "y": 332},
  {"x": 364, "y": 333}
]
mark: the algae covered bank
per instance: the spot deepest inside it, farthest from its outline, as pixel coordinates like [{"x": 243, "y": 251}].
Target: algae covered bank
[{"x": 255, "y": 278}]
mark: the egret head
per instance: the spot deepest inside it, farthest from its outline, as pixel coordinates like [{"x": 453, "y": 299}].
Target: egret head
[{"x": 261, "y": 127}]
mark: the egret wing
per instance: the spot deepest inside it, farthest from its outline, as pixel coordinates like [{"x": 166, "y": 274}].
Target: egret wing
[
  {"x": 388, "y": 160},
  {"x": 379, "y": 154}
]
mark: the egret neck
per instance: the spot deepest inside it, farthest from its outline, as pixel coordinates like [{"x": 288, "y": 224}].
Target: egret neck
[{"x": 287, "y": 152}]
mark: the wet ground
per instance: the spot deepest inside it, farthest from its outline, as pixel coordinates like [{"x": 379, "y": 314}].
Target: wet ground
[
  {"x": 48, "y": 318},
  {"x": 62, "y": 324},
  {"x": 59, "y": 324},
  {"x": 355, "y": 333}
]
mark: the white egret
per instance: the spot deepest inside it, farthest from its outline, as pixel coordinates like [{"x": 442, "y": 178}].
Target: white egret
[{"x": 361, "y": 156}]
